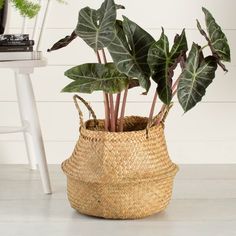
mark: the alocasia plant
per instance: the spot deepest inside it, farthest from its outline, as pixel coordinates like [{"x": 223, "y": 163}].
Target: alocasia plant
[{"x": 137, "y": 57}]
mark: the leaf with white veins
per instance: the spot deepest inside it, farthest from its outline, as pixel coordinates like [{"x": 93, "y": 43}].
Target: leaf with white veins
[
  {"x": 162, "y": 62},
  {"x": 195, "y": 78},
  {"x": 96, "y": 77},
  {"x": 218, "y": 41},
  {"x": 130, "y": 56},
  {"x": 96, "y": 27}
]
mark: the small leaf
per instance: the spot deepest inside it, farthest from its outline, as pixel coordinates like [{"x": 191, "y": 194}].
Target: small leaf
[
  {"x": 218, "y": 40},
  {"x": 63, "y": 42},
  {"x": 118, "y": 7},
  {"x": 96, "y": 77},
  {"x": 211, "y": 47},
  {"x": 130, "y": 56},
  {"x": 180, "y": 46},
  {"x": 96, "y": 27},
  {"x": 162, "y": 63},
  {"x": 195, "y": 78},
  {"x": 133, "y": 83}
]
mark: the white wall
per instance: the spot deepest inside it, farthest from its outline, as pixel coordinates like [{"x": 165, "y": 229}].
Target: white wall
[{"x": 207, "y": 134}]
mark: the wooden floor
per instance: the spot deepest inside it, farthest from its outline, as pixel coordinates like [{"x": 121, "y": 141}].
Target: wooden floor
[{"x": 204, "y": 204}]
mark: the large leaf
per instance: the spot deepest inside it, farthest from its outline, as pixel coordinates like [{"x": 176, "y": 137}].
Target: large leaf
[
  {"x": 101, "y": 10},
  {"x": 162, "y": 62},
  {"x": 96, "y": 27},
  {"x": 218, "y": 40},
  {"x": 130, "y": 56},
  {"x": 139, "y": 41},
  {"x": 195, "y": 78},
  {"x": 96, "y": 77},
  {"x": 63, "y": 42}
]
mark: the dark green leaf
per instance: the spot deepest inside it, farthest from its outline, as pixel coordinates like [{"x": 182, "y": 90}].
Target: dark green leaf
[
  {"x": 180, "y": 46},
  {"x": 133, "y": 83},
  {"x": 118, "y": 6},
  {"x": 96, "y": 77},
  {"x": 63, "y": 42},
  {"x": 120, "y": 36},
  {"x": 96, "y": 28},
  {"x": 195, "y": 78},
  {"x": 131, "y": 57},
  {"x": 162, "y": 63},
  {"x": 211, "y": 47},
  {"x": 100, "y": 11},
  {"x": 139, "y": 42},
  {"x": 218, "y": 40}
]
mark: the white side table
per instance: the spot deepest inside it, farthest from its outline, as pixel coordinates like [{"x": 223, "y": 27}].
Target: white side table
[{"x": 29, "y": 117}]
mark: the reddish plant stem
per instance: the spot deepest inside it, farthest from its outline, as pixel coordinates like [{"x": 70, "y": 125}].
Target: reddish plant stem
[
  {"x": 161, "y": 114},
  {"x": 104, "y": 56},
  {"x": 164, "y": 106},
  {"x": 107, "y": 111},
  {"x": 175, "y": 85},
  {"x": 153, "y": 107},
  {"x": 98, "y": 57},
  {"x": 111, "y": 102},
  {"x": 112, "y": 114},
  {"x": 122, "y": 113},
  {"x": 174, "y": 90},
  {"x": 106, "y": 101},
  {"x": 117, "y": 106}
]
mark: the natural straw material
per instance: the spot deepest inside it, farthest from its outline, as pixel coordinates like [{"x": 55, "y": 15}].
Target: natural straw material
[{"x": 120, "y": 175}]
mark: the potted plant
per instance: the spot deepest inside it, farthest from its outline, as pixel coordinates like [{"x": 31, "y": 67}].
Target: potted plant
[
  {"x": 120, "y": 167},
  {"x": 25, "y": 7}
]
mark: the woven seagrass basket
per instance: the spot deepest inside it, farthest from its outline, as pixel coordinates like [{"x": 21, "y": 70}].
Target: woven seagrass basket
[{"x": 119, "y": 175}]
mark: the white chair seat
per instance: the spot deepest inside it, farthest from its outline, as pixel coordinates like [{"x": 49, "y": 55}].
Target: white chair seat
[{"x": 23, "y": 64}]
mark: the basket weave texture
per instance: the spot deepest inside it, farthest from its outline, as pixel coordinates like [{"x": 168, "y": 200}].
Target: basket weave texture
[{"x": 120, "y": 175}]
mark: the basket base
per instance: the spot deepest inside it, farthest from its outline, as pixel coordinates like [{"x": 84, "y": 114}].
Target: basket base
[
  {"x": 130, "y": 217},
  {"x": 120, "y": 202}
]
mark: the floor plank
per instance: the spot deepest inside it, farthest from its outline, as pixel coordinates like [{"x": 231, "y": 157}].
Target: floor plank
[
  {"x": 134, "y": 228},
  {"x": 59, "y": 210}
]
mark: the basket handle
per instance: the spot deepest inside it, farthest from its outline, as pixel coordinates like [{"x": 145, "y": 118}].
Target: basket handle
[
  {"x": 155, "y": 118},
  {"x": 76, "y": 98},
  {"x": 153, "y": 121}
]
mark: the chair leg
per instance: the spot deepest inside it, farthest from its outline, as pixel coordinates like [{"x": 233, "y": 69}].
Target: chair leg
[
  {"x": 27, "y": 137},
  {"x": 30, "y": 152},
  {"x": 33, "y": 135}
]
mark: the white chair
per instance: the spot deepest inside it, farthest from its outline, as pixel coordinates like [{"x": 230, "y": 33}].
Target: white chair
[{"x": 27, "y": 106}]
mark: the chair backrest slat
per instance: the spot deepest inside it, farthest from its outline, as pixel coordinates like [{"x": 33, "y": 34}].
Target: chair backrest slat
[
  {"x": 43, "y": 25},
  {"x": 39, "y": 23},
  {"x": 24, "y": 25},
  {"x": 36, "y": 23}
]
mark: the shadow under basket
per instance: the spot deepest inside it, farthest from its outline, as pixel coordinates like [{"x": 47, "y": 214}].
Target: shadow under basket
[{"x": 120, "y": 175}]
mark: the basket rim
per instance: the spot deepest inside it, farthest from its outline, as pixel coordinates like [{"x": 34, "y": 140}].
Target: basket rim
[{"x": 143, "y": 132}]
